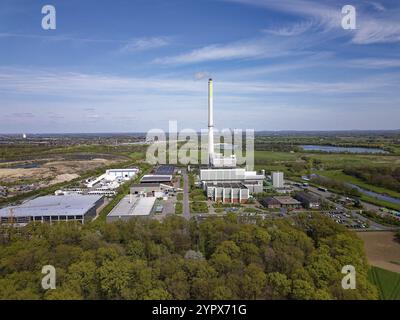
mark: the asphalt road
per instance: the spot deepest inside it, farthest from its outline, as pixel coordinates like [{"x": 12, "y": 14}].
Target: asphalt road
[{"x": 186, "y": 207}]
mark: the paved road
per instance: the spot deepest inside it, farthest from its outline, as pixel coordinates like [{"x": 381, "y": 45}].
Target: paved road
[{"x": 186, "y": 208}]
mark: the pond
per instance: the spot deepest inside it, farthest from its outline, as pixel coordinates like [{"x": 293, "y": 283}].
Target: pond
[
  {"x": 334, "y": 149},
  {"x": 375, "y": 195}
]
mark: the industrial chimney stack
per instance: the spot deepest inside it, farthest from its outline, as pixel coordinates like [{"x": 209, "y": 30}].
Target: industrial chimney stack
[{"x": 210, "y": 122}]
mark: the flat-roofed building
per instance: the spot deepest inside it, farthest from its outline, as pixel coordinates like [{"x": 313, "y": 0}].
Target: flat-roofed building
[
  {"x": 130, "y": 207},
  {"x": 280, "y": 202},
  {"x": 308, "y": 200},
  {"x": 252, "y": 180},
  {"x": 72, "y": 207},
  {"x": 124, "y": 174},
  {"x": 228, "y": 192},
  {"x": 156, "y": 178},
  {"x": 165, "y": 170},
  {"x": 145, "y": 188},
  {"x": 270, "y": 203}
]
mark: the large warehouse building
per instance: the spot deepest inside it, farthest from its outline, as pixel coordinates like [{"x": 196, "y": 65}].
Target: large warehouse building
[
  {"x": 74, "y": 207},
  {"x": 130, "y": 207}
]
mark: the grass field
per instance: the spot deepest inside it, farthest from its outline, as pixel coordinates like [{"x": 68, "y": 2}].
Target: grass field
[
  {"x": 198, "y": 207},
  {"x": 178, "y": 208},
  {"x": 387, "y": 282},
  {"x": 330, "y": 161},
  {"x": 339, "y": 175}
]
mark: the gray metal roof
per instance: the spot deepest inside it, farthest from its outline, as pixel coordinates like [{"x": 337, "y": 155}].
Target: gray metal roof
[
  {"x": 74, "y": 204},
  {"x": 140, "y": 206},
  {"x": 156, "y": 178}
]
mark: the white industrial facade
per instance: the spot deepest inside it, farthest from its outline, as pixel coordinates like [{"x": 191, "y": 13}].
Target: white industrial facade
[
  {"x": 252, "y": 180},
  {"x": 227, "y": 192},
  {"x": 125, "y": 174},
  {"x": 277, "y": 180}
]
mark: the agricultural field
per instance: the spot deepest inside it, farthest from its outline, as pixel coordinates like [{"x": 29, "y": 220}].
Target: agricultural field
[
  {"x": 382, "y": 249},
  {"x": 387, "y": 282}
]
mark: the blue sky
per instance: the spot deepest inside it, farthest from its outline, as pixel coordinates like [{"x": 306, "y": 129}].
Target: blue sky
[{"x": 129, "y": 66}]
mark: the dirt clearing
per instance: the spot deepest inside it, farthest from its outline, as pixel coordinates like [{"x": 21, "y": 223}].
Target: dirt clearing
[{"x": 382, "y": 250}]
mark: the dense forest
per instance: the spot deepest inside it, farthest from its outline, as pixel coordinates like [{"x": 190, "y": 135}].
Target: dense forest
[
  {"x": 378, "y": 176},
  {"x": 217, "y": 258}
]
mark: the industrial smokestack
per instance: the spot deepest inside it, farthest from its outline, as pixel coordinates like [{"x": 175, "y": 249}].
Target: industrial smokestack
[{"x": 210, "y": 122}]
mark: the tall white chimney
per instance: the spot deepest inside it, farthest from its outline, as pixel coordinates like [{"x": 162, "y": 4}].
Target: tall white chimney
[{"x": 210, "y": 122}]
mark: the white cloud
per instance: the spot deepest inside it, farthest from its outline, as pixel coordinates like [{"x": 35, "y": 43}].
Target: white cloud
[
  {"x": 99, "y": 87},
  {"x": 383, "y": 27},
  {"x": 142, "y": 44},
  {"x": 290, "y": 31},
  {"x": 201, "y": 75},
  {"x": 251, "y": 49},
  {"x": 375, "y": 63}
]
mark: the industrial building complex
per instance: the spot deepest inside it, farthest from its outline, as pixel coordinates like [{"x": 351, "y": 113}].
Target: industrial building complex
[{"x": 222, "y": 174}]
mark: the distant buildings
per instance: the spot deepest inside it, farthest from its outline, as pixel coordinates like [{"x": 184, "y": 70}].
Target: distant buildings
[
  {"x": 308, "y": 200},
  {"x": 81, "y": 208},
  {"x": 112, "y": 178},
  {"x": 277, "y": 180}
]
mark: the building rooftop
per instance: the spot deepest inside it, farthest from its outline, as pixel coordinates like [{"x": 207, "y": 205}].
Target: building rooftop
[
  {"x": 286, "y": 200},
  {"x": 145, "y": 185},
  {"x": 140, "y": 206},
  {"x": 123, "y": 170},
  {"x": 307, "y": 197},
  {"x": 165, "y": 170},
  {"x": 269, "y": 201},
  {"x": 233, "y": 185},
  {"x": 72, "y": 204},
  {"x": 156, "y": 178}
]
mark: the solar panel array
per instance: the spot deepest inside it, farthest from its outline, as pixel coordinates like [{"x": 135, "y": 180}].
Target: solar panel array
[{"x": 165, "y": 170}]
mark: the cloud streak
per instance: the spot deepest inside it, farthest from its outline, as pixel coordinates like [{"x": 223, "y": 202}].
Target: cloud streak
[
  {"x": 143, "y": 44},
  {"x": 381, "y": 28}
]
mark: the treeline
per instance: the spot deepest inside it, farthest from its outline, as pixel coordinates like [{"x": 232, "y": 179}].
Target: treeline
[
  {"x": 276, "y": 146},
  {"x": 338, "y": 186},
  {"x": 382, "y": 219},
  {"x": 378, "y": 176},
  {"x": 218, "y": 258}
]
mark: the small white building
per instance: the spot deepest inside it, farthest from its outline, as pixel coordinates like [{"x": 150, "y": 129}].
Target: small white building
[
  {"x": 124, "y": 174},
  {"x": 277, "y": 180}
]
